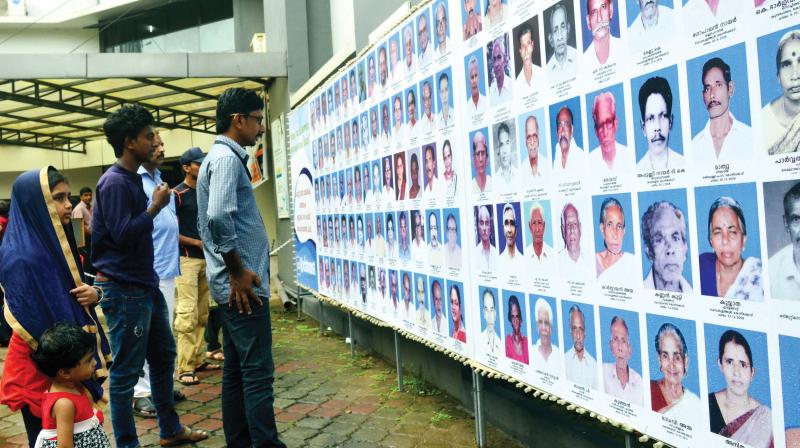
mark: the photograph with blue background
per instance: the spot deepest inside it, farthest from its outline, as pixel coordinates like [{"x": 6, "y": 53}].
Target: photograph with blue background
[
  {"x": 517, "y": 223},
  {"x": 544, "y": 147},
  {"x": 574, "y": 105},
  {"x": 633, "y": 8},
  {"x": 790, "y": 380},
  {"x": 481, "y": 307},
  {"x": 548, "y": 227},
  {"x": 622, "y": 124},
  {"x": 625, "y": 200},
  {"x": 588, "y": 317},
  {"x": 686, "y": 328},
  {"x": 670, "y": 74},
  {"x": 677, "y": 198},
  {"x": 759, "y": 386},
  {"x": 632, "y": 322},
  {"x": 739, "y": 103},
  {"x": 478, "y": 56},
  {"x": 583, "y": 23},
  {"x": 533, "y": 299}
]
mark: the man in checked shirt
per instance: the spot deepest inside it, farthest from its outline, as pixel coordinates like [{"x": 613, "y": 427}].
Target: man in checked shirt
[{"x": 236, "y": 249}]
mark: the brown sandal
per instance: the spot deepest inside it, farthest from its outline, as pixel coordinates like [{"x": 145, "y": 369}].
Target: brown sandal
[{"x": 186, "y": 435}]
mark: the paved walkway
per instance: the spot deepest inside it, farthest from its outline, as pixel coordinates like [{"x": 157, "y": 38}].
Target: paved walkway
[{"x": 324, "y": 399}]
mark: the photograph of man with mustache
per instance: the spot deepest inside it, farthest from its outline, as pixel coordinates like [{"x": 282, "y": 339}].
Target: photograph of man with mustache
[{"x": 655, "y": 106}]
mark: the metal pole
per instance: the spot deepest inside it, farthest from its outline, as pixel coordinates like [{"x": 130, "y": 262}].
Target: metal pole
[
  {"x": 350, "y": 333},
  {"x": 628, "y": 441},
  {"x": 398, "y": 362},
  {"x": 321, "y": 318},
  {"x": 300, "y": 305},
  {"x": 480, "y": 424}
]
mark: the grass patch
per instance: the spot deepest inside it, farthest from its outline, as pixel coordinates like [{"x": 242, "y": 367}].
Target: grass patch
[
  {"x": 303, "y": 328},
  {"x": 440, "y": 416}
]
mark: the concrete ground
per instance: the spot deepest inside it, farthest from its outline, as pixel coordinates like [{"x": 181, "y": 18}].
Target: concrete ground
[{"x": 324, "y": 398}]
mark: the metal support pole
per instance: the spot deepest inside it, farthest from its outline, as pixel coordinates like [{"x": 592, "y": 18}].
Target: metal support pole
[
  {"x": 321, "y": 318},
  {"x": 300, "y": 296},
  {"x": 350, "y": 333},
  {"x": 480, "y": 424},
  {"x": 628, "y": 441},
  {"x": 398, "y": 362}
]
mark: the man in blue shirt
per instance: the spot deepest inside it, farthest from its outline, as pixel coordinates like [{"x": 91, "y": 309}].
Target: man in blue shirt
[
  {"x": 237, "y": 266},
  {"x": 122, "y": 253}
]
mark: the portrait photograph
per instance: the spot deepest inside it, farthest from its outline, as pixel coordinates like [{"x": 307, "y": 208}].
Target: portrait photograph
[
  {"x": 566, "y": 135},
  {"x": 674, "y": 378},
  {"x": 546, "y": 355},
  {"x": 451, "y": 217},
  {"x": 443, "y": 86},
  {"x": 396, "y": 69},
  {"x": 511, "y": 257},
  {"x": 438, "y": 308},
  {"x": 419, "y": 247},
  {"x": 471, "y": 17},
  {"x": 580, "y": 358},
  {"x": 729, "y": 242},
  {"x": 475, "y": 75},
  {"x": 414, "y": 169},
  {"x": 457, "y": 318},
  {"x": 538, "y": 223},
  {"x": 657, "y": 112},
  {"x": 782, "y": 215},
  {"x": 780, "y": 90},
  {"x": 411, "y": 111},
  {"x": 737, "y": 368},
  {"x": 622, "y": 355},
  {"x": 666, "y": 252},
  {"x": 516, "y": 327},
  {"x": 534, "y": 150},
  {"x": 506, "y": 162},
  {"x": 615, "y": 261},
  {"x": 600, "y": 30},
  {"x": 607, "y": 129},
  {"x": 481, "y": 168},
  {"x": 407, "y": 304},
  {"x": 489, "y": 311},
  {"x": 575, "y": 251},
  {"x": 422, "y": 300},
  {"x": 650, "y": 23},
  {"x": 498, "y": 60},
  {"x": 441, "y": 27},
  {"x": 719, "y": 105},
  {"x": 485, "y": 254},
  {"x": 527, "y": 57},
  {"x": 409, "y": 50},
  {"x": 561, "y": 50},
  {"x": 424, "y": 32},
  {"x": 426, "y": 107},
  {"x": 430, "y": 169}
]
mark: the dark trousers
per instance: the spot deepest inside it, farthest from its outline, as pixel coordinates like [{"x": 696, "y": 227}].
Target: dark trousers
[
  {"x": 213, "y": 328},
  {"x": 33, "y": 425},
  {"x": 248, "y": 417}
]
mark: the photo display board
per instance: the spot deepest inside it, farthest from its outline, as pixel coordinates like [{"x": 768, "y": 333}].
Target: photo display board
[{"x": 599, "y": 198}]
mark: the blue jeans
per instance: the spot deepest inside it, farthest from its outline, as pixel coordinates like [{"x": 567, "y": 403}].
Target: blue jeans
[
  {"x": 248, "y": 417},
  {"x": 138, "y": 329}
]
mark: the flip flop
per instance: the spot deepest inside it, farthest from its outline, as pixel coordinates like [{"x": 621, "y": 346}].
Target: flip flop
[
  {"x": 216, "y": 355},
  {"x": 206, "y": 366},
  {"x": 143, "y": 407},
  {"x": 186, "y": 435},
  {"x": 191, "y": 381}
]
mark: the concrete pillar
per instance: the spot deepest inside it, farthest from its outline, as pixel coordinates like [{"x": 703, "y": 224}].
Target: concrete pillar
[{"x": 248, "y": 19}]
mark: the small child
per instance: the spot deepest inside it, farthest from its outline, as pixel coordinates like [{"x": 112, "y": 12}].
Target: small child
[{"x": 66, "y": 354}]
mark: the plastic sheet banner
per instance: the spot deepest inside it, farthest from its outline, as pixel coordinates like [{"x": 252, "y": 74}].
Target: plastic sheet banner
[
  {"x": 304, "y": 206},
  {"x": 597, "y": 197}
]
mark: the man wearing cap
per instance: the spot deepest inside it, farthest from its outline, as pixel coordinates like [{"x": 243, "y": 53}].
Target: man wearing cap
[{"x": 192, "y": 294}]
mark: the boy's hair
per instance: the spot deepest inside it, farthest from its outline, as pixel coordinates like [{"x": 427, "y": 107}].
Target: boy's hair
[
  {"x": 61, "y": 347},
  {"x": 235, "y": 100},
  {"x": 127, "y": 121}
]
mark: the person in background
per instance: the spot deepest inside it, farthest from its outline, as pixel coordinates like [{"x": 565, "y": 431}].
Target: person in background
[
  {"x": 37, "y": 245},
  {"x": 83, "y": 210},
  {"x": 192, "y": 295}
]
